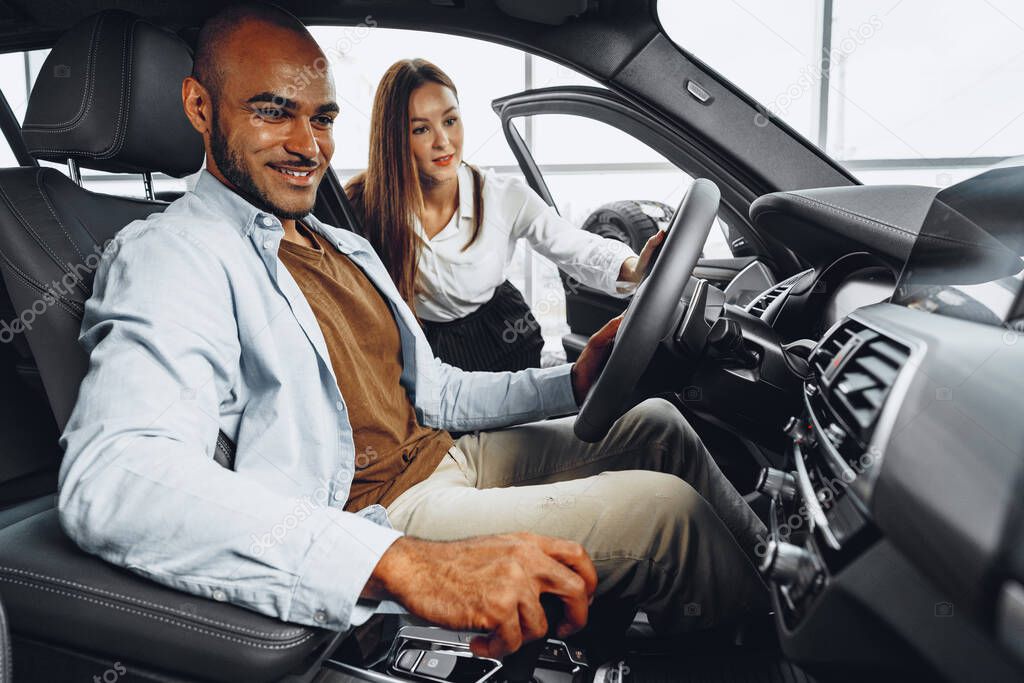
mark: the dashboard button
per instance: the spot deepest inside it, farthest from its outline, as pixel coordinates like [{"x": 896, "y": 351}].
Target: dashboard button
[
  {"x": 437, "y": 664},
  {"x": 407, "y": 660}
]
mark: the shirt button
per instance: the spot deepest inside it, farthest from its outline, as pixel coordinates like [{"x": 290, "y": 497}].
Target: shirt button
[
  {"x": 268, "y": 244},
  {"x": 339, "y": 405},
  {"x": 320, "y": 616},
  {"x": 219, "y": 595},
  {"x": 339, "y": 496},
  {"x": 267, "y": 221}
]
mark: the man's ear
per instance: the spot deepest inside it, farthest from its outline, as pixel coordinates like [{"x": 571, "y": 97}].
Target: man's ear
[{"x": 197, "y": 103}]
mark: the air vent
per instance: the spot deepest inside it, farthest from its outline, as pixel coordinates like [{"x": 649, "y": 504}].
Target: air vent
[
  {"x": 856, "y": 367},
  {"x": 760, "y": 305}
]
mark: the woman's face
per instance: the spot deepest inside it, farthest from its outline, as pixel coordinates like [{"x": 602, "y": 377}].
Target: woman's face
[{"x": 435, "y": 132}]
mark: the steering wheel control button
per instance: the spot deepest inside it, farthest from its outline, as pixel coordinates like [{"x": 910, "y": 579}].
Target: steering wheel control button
[
  {"x": 777, "y": 484},
  {"x": 407, "y": 660},
  {"x": 437, "y": 664}
]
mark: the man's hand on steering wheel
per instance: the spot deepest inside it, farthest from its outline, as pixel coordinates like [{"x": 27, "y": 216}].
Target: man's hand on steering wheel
[{"x": 592, "y": 359}]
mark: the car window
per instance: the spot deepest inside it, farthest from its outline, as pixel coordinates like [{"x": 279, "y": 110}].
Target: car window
[
  {"x": 898, "y": 91},
  {"x": 607, "y": 180},
  {"x": 588, "y": 164},
  {"x": 582, "y": 175}
]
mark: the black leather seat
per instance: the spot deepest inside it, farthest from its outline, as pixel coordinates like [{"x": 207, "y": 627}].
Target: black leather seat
[{"x": 108, "y": 96}]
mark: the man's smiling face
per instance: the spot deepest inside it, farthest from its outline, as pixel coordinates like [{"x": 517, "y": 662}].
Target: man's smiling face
[{"x": 270, "y": 130}]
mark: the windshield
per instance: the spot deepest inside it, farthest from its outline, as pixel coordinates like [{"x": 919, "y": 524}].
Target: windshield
[{"x": 898, "y": 91}]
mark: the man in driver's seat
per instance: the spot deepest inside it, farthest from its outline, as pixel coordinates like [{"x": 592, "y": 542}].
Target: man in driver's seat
[{"x": 237, "y": 309}]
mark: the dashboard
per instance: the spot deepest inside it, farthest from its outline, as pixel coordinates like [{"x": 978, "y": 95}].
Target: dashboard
[{"x": 898, "y": 524}]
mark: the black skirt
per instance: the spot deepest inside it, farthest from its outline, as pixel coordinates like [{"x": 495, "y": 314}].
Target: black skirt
[{"x": 501, "y": 335}]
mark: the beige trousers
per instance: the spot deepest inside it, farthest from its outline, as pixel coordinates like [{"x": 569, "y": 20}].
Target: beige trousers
[{"x": 666, "y": 530}]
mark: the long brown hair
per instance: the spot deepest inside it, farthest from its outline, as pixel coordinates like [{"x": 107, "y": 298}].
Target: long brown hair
[{"x": 387, "y": 195}]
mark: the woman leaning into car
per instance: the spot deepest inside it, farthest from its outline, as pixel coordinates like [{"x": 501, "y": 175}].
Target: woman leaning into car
[{"x": 446, "y": 230}]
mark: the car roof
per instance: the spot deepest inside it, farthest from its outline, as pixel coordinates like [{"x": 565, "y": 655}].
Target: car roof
[{"x": 598, "y": 42}]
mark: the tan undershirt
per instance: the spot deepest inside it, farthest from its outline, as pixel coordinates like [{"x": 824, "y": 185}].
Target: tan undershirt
[{"x": 393, "y": 451}]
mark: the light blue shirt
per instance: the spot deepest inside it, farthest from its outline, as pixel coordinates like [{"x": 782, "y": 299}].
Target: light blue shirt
[{"x": 195, "y": 326}]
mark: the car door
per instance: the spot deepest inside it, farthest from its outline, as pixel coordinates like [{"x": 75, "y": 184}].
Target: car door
[{"x": 589, "y": 124}]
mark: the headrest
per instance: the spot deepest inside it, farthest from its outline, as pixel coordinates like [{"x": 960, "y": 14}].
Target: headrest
[{"x": 109, "y": 96}]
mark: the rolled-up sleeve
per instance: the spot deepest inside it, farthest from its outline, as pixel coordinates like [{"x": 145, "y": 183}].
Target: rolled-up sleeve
[
  {"x": 138, "y": 483},
  {"x": 591, "y": 259}
]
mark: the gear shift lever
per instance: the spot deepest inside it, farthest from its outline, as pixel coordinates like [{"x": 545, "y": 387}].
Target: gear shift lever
[{"x": 518, "y": 667}]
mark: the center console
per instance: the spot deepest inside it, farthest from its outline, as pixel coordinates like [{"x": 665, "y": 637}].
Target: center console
[
  {"x": 819, "y": 521},
  {"x": 436, "y": 655}
]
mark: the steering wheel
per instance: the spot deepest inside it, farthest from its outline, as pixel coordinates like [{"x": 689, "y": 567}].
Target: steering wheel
[{"x": 650, "y": 313}]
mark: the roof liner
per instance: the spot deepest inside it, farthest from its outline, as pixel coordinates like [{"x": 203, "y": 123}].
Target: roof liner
[{"x": 602, "y": 40}]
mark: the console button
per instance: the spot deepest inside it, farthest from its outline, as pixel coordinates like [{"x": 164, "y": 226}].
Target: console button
[
  {"x": 784, "y": 563},
  {"x": 407, "y": 660},
  {"x": 777, "y": 484},
  {"x": 437, "y": 664},
  {"x": 835, "y": 434}
]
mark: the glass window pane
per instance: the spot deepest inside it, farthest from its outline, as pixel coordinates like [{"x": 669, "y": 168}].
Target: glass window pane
[
  {"x": 931, "y": 177},
  {"x": 547, "y": 73},
  {"x": 567, "y": 139},
  {"x": 937, "y": 78},
  {"x": 359, "y": 57},
  {"x": 769, "y": 48}
]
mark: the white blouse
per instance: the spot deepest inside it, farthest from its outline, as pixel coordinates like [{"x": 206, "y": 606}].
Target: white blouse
[{"x": 454, "y": 283}]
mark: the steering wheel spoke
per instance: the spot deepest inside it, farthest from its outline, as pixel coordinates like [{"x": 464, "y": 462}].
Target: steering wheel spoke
[{"x": 651, "y": 312}]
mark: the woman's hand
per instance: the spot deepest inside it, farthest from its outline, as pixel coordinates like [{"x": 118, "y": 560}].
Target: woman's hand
[{"x": 634, "y": 268}]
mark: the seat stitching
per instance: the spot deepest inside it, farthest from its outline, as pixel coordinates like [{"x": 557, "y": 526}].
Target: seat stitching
[
  {"x": 69, "y": 305},
  {"x": 119, "y": 135},
  {"x": 90, "y": 70},
  {"x": 28, "y": 228},
  {"x": 63, "y": 228},
  {"x": 121, "y": 131},
  {"x": 267, "y": 634},
  {"x": 75, "y": 307},
  {"x": 156, "y": 617},
  {"x": 869, "y": 220}
]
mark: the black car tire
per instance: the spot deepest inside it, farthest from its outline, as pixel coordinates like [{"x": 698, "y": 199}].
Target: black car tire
[{"x": 629, "y": 221}]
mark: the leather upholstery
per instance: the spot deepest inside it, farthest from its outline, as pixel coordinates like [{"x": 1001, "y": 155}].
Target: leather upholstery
[
  {"x": 51, "y": 235},
  {"x": 56, "y": 593},
  {"x": 5, "y": 647},
  {"x": 109, "y": 96},
  {"x": 829, "y": 222}
]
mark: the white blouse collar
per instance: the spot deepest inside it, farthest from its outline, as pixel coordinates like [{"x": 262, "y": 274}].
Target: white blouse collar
[{"x": 464, "y": 212}]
